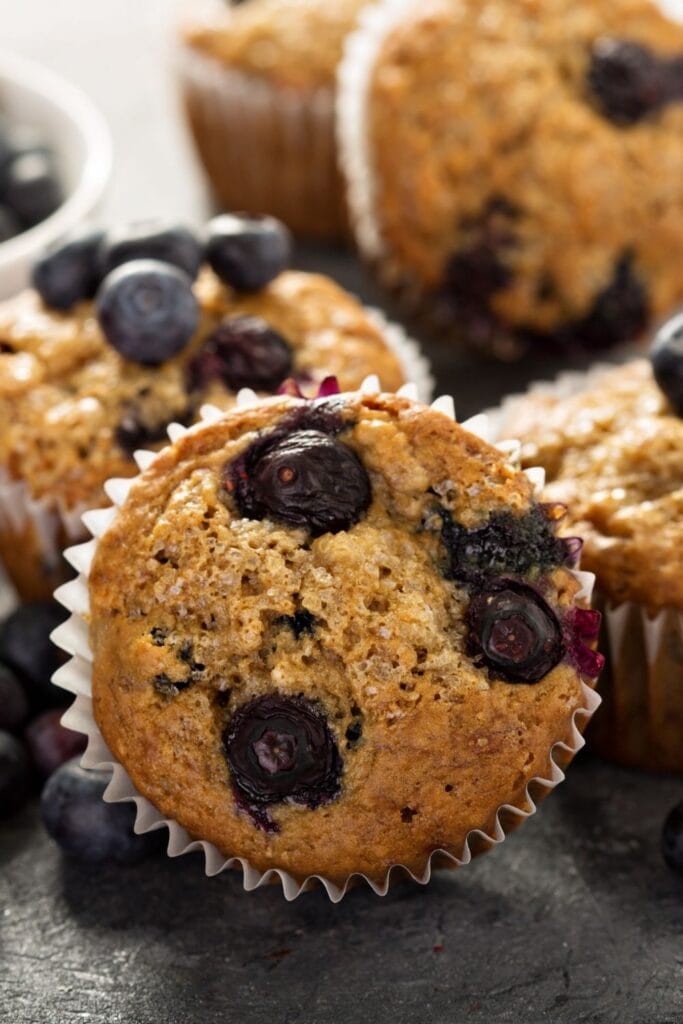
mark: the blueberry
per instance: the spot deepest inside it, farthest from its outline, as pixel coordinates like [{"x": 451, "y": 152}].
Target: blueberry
[
  {"x": 247, "y": 252},
  {"x": 68, "y": 272},
  {"x": 514, "y": 632},
  {"x": 9, "y": 225},
  {"x": 281, "y": 748},
  {"x": 619, "y": 314},
  {"x": 507, "y": 543},
  {"x": 672, "y": 839},
  {"x": 243, "y": 352},
  {"x": 50, "y": 743},
  {"x": 667, "y": 361},
  {"x": 627, "y": 81},
  {"x": 31, "y": 187},
  {"x": 147, "y": 311},
  {"x": 136, "y": 431},
  {"x": 13, "y": 700},
  {"x": 151, "y": 240},
  {"x": 15, "y": 775},
  {"x": 84, "y": 826},
  {"x": 26, "y": 647},
  {"x": 305, "y": 479}
]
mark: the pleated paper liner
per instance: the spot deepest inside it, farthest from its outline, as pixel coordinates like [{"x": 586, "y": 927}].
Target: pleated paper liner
[
  {"x": 265, "y": 147},
  {"x": 641, "y": 721},
  {"x": 76, "y": 677},
  {"x": 35, "y": 531}
]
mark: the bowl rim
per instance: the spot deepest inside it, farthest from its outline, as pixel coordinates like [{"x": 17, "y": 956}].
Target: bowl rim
[{"x": 96, "y": 170}]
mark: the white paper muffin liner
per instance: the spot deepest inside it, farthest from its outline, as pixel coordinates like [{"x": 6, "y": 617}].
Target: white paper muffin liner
[
  {"x": 50, "y": 522},
  {"x": 266, "y": 148},
  {"x": 76, "y": 677},
  {"x": 628, "y": 626}
]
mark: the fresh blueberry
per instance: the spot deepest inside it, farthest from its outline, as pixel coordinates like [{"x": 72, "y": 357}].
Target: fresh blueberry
[
  {"x": 507, "y": 543},
  {"x": 26, "y": 647},
  {"x": 50, "y": 743},
  {"x": 305, "y": 479},
  {"x": 243, "y": 352},
  {"x": 147, "y": 311},
  {"x": 514, "y": 632},
  {"x": 247, "y": 252},
  {"x": 84, "y": 826},
  {"x": 9, "y": 225},
  {"x": 14, "y": 707},
  {"x": 69, "y": 272},
  {"x": 672, "y": 839},
  {"x": 281, "y": 748},
  {"x": 15, "y": 775},
  {"x": 31, "y": 187},
  {"x": 151, "y": 240},
  {"x": 667, "y": 361}
]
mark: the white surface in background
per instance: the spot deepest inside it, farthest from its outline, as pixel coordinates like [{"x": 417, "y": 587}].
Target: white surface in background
[{"x": 97, "y": 44}]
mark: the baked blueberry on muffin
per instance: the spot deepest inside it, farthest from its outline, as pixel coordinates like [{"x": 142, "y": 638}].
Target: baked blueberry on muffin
[
  {"x": 128, "y": 330},
  {"x": 264, "y": 71},
  {"x": 332, "y": 636},
  {"x": 612, "y": 447},
  {"x": 516, "y": 170}
]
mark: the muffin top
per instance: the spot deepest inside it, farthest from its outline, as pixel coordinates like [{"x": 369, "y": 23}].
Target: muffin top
[
  {"x": 74, "y": 409},
  {"x": 336, "y": 635},
  {"x": 292, "y": 43},
  {"x": 527, "y": 159},
  {"x": 613, "y": 452}
]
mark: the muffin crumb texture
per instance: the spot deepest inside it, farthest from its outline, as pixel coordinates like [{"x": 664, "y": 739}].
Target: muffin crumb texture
[
  {"x": 331, "y": 701},
  {"x": 528, "y": 160}
]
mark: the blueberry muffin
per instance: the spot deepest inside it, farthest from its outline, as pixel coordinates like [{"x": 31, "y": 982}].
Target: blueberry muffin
[
  {"x": 516, "y": 169},
  {"x": 264, "y": 71},
  {"x": 332, "y": 636},
  {"x": 613, "y": 452},
  {"x": 86, "y": 379}
]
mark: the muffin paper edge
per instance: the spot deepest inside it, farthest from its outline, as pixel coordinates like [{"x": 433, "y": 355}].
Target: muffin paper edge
[
  {"x": 626, "y": 627},
  {"x": 76, "y": 676}
]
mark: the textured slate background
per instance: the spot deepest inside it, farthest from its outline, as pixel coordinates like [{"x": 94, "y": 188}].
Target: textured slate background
[{"x": 574, "y": 919}]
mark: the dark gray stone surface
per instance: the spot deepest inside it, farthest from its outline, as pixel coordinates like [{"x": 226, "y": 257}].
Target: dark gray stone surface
[{"x": 573, "y": 919}]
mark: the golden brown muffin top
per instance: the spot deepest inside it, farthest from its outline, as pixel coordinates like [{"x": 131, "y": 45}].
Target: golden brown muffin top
[
  {"x": 198, "y": 609},
  {"x": 482, "y": 127},
  {"x": 65, "y": 392},
  {"x": 613, "y": 453},
  {"x": 292, "y": 43}
]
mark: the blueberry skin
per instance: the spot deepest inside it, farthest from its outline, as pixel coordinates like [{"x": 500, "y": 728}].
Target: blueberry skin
[
  {"x": 672, "y": 839},
  {"x": 147, "y": 311},
  {"x": 666, "y": 356},
  {"x": 32, "y": 188},
  {"x": 26, "y": 647},
  {"x": 50, "y": 743},
  {"x": 304, "y": 479},
  {"x": 247, "y": 252},
  {"x": 86, "y": 828},
  {"x": 9, "y": 225},
  {"x": 243, "y": 352},
  {"x": 151, "y": 240},
  {"x": 14, "y": 707},
  {"x": 15, "y": 775},
  {"x": 69, "y": 271}
]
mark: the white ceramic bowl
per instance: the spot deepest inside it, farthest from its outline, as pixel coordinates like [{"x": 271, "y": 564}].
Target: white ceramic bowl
[{"x": 79, "y": 136}]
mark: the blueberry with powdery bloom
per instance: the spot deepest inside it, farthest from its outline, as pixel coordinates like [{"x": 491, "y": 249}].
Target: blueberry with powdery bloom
[
  {"x": 242, "y": 352},
  {"x": 304, "y": 479},
  {"x": 147, "y": 311},
  {"x": 247, "y": 252},
  {"x": 514, "y": 632},
  {"x": 280, "y": 749}
]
